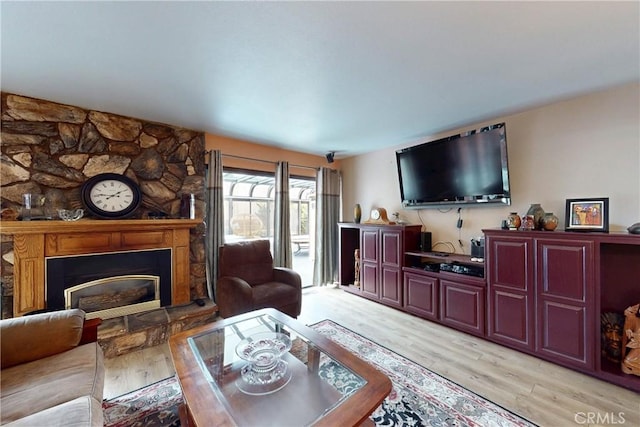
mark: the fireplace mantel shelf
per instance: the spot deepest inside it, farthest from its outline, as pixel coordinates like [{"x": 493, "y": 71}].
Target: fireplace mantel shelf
[
  {"x": 34, "y": 241},
  {"x": 84, "y": 225}
]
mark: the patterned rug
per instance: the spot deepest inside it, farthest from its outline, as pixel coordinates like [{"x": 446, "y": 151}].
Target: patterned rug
[
  {"x": 153, "y": 405},
  {"x": 419, "y": 397}
]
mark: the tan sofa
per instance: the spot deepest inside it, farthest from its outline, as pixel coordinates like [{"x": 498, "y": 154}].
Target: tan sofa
[{"x": 48, "y": 377}]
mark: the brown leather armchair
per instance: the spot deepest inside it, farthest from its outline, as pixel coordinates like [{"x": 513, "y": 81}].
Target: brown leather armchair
[{"x": 249, "y": 281}]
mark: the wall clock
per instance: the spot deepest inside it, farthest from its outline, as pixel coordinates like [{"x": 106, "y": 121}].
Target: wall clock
[
  {"x": 111, "y": 196},
  {"x": 378, "y": 216}
]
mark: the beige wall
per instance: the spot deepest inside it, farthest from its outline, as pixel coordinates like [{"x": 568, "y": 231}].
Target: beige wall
[
  {"x": 236, "y": 147},
  {"x": 583, "y": 147}
]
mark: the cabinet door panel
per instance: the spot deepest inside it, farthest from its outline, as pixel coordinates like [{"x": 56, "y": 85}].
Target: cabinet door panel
[
  {"x": 369, "y": 246},
  {"x": 391, "y": 287},
  {"x": 462, "y": 306},
  {"x": 563, "y": 333},
  {"x": 562, "y": 268},
  {"x": 391, "y": 244},
  {"x": 421, "y": 295},
  {"x": 510, "y": 263},
  {"x": 511, "y": 320},
  {"x": 369, "y": 280}
]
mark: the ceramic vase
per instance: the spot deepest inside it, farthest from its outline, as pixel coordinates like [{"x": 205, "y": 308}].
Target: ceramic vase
[
  {"x": 550, "y": 221},
  {"x": 513, "y": 221},
  {"x": 357, "y": 213},
  {"x": 538, "y": 214}
]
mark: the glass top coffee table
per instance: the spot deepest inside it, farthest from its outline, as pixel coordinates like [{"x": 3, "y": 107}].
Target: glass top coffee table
[{"x": 265, "y": 368}]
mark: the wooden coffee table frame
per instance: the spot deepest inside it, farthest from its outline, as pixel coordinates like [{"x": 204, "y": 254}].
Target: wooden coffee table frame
[{"x": 204, "y": 407}]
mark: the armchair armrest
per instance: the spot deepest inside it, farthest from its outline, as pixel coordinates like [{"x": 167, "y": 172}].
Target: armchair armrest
[
  {"x": 233, "y": 296},
  {"x": 287, "y": 276},
  {"x": 29, "y": 338}
]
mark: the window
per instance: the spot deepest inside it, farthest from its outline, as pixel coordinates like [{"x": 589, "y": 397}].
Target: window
[{"x": 249, "y": 212}]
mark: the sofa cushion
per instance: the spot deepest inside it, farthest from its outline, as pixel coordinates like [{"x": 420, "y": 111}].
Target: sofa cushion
[
  {"x": 35, "y": 386},
  {"x": 81, "y": 412}
]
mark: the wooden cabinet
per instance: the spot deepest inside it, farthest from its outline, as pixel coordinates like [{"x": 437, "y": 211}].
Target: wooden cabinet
[
  {"x": 546, "y": 292},
  {"x": 540, "y": 296},
  {"x": 382, "y": 249}
]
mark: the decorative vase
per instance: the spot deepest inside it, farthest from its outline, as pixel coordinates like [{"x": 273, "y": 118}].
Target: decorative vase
[
  {"x": 357, "y": 213},
  {"x": 513, "y": 221},
  {"x": 550, "y": 221},
  {"x": 538, "y": 214}
]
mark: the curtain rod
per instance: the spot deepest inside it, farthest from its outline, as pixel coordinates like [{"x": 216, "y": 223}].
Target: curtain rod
[{"x": 266, "y": 161}]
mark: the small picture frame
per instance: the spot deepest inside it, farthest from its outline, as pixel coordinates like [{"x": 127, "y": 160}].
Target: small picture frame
[{"x": 587, "y": 214}]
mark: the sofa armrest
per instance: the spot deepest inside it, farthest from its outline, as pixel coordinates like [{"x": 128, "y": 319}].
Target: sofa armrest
[
  {"x": 287, "y": 276},
  {"x": 28, "y": 338}
]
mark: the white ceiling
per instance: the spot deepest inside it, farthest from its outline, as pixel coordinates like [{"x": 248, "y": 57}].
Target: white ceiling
[{"x": 350, "y": 77}]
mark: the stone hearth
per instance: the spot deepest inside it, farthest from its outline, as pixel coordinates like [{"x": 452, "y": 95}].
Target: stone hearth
[{"x": 134, "y": 332}]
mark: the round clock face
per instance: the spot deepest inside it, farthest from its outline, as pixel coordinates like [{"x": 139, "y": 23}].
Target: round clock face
[
  {"x": 375, "y": 214},
  {"x": 111, "y": 196}
]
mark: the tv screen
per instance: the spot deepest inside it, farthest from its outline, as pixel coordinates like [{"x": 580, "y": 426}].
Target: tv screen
[{"x": 466, "y": 169}]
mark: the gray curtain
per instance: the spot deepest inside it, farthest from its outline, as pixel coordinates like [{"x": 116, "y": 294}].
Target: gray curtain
[
  {"x": 214, "y": 219},
  {"x": 325, "y": 268},
  {"x": 282, "y": 255}
]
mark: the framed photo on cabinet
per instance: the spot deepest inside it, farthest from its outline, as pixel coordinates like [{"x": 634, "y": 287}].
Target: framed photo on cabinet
[{"x": 587, "y": 214}]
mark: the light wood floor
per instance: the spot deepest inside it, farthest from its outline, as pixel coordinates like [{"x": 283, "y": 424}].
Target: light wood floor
[{"x": 542, "y": 392}]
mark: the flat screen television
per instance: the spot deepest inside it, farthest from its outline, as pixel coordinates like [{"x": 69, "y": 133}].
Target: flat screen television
[{"x": 468, "y": 169}]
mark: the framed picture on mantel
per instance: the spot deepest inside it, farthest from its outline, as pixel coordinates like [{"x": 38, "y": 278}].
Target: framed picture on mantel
[{"x": 587, "y": 214}]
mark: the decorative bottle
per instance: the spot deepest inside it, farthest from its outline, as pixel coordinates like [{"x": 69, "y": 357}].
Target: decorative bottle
[
  {"x": 357, "y": 213},
  {"x": 550, "y": 221},
  {"x": 538, "y": 213}
]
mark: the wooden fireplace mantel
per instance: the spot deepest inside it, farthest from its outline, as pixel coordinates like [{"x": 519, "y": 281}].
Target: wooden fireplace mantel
[{"x": 33, "y": 241}]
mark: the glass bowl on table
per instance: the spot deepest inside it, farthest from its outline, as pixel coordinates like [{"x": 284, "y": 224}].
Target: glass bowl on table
[{"x": 265, "y": 371}]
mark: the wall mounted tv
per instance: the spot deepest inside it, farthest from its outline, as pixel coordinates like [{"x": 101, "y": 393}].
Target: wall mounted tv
[{"x": 469, "y": 169}]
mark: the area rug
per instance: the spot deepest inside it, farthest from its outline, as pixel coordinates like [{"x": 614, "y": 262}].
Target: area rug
[
  {"x": 154, "y": 405},
  {"x": 419, "y": 396}
]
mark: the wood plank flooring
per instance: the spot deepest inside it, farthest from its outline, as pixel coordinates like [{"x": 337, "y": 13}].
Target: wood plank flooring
[{"x": 542, "y": 392}]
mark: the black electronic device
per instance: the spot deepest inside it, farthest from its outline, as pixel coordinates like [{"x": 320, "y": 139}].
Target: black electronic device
[
  {"x": 467, "y": 169},
  {"x": 477, "y": 247},
  {"x": 425, "y": 241},
  {"x": 431, "y": 266},
  {"x": 467, "y": 270}
]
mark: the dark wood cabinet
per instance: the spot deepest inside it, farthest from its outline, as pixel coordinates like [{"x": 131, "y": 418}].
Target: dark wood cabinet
[
  {"x": 546, "y": 292},
  {"x": 543, "y": 294},
  {"x": 382, "y": 249}
]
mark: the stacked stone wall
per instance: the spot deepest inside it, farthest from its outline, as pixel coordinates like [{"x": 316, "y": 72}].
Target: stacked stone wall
[{"x": 51, "y": 149}]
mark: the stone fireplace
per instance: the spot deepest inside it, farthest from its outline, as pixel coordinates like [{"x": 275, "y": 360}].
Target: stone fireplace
[
  {"x": 110, "y": 285},
  {"x": 51, "y": 149}
]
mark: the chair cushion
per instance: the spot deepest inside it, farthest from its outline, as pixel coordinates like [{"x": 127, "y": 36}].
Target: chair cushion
[
  {"x": 275, "y": 295},
  {"x": 249, "y": 260}
]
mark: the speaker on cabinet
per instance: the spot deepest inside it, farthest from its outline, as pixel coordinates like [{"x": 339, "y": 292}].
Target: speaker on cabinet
[{"x": 425, "y": 241}]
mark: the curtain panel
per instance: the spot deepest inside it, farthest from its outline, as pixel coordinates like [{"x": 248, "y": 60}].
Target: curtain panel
[
  {"x": 214, "y": 219},
  {"x": 282, "y": 255},
  {"x": 327, "y": 216}
]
